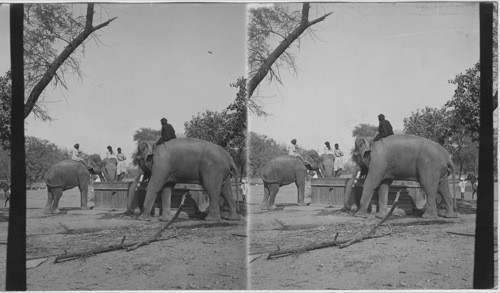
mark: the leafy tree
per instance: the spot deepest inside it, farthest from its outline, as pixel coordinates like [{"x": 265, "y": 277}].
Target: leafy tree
[
  {"x": 262, "y": 150},
  {"x": 5, "y": 109},
  {"x": 146, "y": 133},
  {"x": 40, "y": 156},
  {"x": 46, "y": 28},
  {"x": 365, "y": 130},
  {"x": 269, "y": 25},
  {"x": 5, "y": 164},
  {"x": 226, "y": 128},
  {"x": 431, "y": 123},
  {"x": 464, "y": 105}
]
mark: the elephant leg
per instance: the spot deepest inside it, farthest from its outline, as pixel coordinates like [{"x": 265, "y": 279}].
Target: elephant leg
[
  {"x": 227, "y": 193},
  {"x": 84, "y": 193},
  {"x": 133, "y": 198},
  {"x": 430, "y": 186},
  {"x": 212, "y": 183},
  {"x": 50, "y": 199},
  {"x": 383, "y": 197},
  {"x": 349, "y": 196},
  {"x": 156, "y": 185},
  {"x": 372, "y": 181},
  {"x": 301, "y": 188},
  {"x": 265, "y": 200},
  {"x": 166, "y": 197},
  {"x": 444, "y": 191},
  {"x": 57, "y": 193},
  {"x": 273, "y": 190}
]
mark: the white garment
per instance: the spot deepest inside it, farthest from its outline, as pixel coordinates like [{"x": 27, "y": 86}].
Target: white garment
[
  {"x": 293, "y": 150},
  {"x": 339, "y": 162},
  {"x": 328, "y": 151}
]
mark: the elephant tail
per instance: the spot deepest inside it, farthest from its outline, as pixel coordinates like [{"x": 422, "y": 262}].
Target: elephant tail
[
  {"x": 451, "y": 169},
  {"x": 234, "y": 171}
]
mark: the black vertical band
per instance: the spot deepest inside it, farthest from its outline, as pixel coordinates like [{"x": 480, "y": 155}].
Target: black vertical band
[
  {"x": 484, "y": 253},
  {"x": 16, "y": 242}
]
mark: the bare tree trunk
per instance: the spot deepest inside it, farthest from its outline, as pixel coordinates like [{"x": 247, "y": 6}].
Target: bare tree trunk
[
  {"x": 51, "y": 72},
  {"x": 295, "y": 34}
]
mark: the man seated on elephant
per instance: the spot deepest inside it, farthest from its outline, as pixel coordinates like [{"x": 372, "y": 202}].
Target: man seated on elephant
[
  {"x": 167, "y": 132},
  {"x": 293, "y": 149},
  {"x": 384, "y": 128},
  {"x": 76, "y": 154}
]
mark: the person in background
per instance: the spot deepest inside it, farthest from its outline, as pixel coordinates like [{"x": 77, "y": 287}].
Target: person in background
[
  {"x": 110, "y": 153},
  {"x": 167, "y": 132},
  {"x": 338, "y": 164},
  {"x": 328, "y": 149},
  {"x": 293, "y": 149},
  {"x": 384, "y": 128},
  {"x": 121, "y": 168},
  {"x": 462, "y": 188}
]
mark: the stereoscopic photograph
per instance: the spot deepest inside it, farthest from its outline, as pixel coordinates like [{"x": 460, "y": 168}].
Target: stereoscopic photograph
[{"x": 248, "y": 146}]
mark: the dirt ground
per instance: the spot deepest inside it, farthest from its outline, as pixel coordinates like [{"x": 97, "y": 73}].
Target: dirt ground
[
  {"x": 199, "y": 255},
  {"x": 413, "y": 253}
]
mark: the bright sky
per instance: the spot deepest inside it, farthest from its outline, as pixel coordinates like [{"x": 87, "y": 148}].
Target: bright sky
[
  {"x": 153, "y": 62},
  {"x": 368, "y": 59}
]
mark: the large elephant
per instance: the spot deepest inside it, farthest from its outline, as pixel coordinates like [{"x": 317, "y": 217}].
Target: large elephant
[
  {"x": 327, "y": 165},
  {"x": 108, "y": 169},
  {"x": 65, "y": 175},
  {"x": 404, "y": 157},
  {"x": 192, "y": 161},
  {"x": 284, "y": 170}
]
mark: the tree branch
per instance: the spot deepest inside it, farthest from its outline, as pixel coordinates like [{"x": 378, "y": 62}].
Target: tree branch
[
  {"x": 289, "y": 39},
  {"x": 59, "y": 60}
]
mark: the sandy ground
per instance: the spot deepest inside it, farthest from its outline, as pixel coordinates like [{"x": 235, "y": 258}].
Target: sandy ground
[
  {"x": 199, "y": 255},
  {"x": 413, "y": 254}
]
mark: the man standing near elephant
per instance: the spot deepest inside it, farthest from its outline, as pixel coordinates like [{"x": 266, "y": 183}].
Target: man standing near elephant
[
  {"x": 384, "y": 128},
  {"x": 121, "y": 169},
  {"x": 338, "y": 164},
  {"x": 167, "y": 132}
]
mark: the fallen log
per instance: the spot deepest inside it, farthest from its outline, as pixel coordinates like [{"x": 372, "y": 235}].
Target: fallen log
[
  {"x": 462, "y": 233},
  {"x": 122, "y": 245},
  {"x": 335, "y": 242}
]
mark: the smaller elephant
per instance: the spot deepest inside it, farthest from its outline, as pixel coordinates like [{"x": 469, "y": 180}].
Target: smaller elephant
[
  {"x": 284, "y": 170},
  {"x": 328, "y": 165},
  {"x": 66, "y": 175},
  {"x": 108, "y": 169}
]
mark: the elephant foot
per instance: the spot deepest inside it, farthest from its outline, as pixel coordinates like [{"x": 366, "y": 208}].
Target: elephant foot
[
  {"x": 128, "y": 213},
  {"x": 143, "y": 217},
  {"x": 450, "y": 214},
  {"x": 301, "y": 203},
  {"x": 85, "y": 208},
  {"x": 234, "y": 217},
  {"x": 165, "y": 218},
  {"x": 272, "y": 207},
  {"x": 345, "y": 210},
  {"x": 212, "y": 217},
  {"x": 56, "y": 211},
  {"x": 380, "y": 215},
  {"x": 264, "y": 207},
  {"x": 361, "y": 214},
  {"x": 429, "y": 215},
  {"x": 47, "y": 211}
]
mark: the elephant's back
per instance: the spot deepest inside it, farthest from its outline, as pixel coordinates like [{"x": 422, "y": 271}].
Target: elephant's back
[
  {"x": 280, "y": 165},
  {"x": 65, "y": 173}
]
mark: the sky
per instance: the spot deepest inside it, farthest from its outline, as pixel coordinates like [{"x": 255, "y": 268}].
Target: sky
[
  {"x": 153, "y": 61},
  {"x": 368, "y": 59}
]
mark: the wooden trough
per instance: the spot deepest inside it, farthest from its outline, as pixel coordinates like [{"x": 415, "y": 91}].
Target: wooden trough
[
  {"x": 113, "y": 195},
  {"x": 330, "y": 191}
]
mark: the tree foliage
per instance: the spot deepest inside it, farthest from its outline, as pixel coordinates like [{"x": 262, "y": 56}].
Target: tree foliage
[
  {"x": 5, "y": 109},
  {"x": 146, "y": 133},
  {"x": 269, "y": 26},
  {"x": 5, "y": 164},
  {"x": 431, "y": 123},
  {"x": 365, "y": 130},
  {"x": 262, "y": 150},
  {"x": 48, "y": 27},
  {"x": 226, "y": 128},
  {"x": 464, "y": 106},
  {"x": 40, "y": 156}
]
